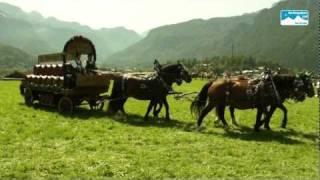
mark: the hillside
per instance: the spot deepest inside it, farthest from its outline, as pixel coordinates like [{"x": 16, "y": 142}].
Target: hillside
[
  {"x": 258, "y": 35},
  {"x": 35, "y": 34},
  {"x": 12, "y": 58},
  {"x": 188, "y": 39}
]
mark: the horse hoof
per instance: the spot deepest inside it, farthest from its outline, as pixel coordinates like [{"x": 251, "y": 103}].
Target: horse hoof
[
  {"x": 236, "y": 124},
  {"x": 283, "y": 126},
  {"x": 256, "y": 129},
  {"x": 199, "y": 128},
  {"x": 267, "y": 127},
  {"x": 216, "y": 122}
]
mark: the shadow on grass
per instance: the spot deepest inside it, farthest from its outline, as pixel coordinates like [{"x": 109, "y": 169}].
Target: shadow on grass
[
  {"x": 137, "y": 120},
  {"x": 132, "y": 119},
  {"x": 79, "y": 112},
  {"x": 287, "y": 136}
]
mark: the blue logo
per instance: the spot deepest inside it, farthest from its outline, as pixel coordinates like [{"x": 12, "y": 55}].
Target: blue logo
[{"x": 294, "y": 17}]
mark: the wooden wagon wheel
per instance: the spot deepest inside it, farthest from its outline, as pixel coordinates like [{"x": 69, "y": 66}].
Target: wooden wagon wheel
[
  {"x": 96, "y": 106},
  {"x": 65, "y": 105},
  {"x": 28, "y": 97}
]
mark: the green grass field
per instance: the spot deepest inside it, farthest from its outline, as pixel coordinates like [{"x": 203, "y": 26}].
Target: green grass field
[{"x": 40, "y": 143}]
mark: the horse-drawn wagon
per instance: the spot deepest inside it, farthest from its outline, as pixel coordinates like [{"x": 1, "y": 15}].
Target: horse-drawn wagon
[{"x": 68, "y": 79}]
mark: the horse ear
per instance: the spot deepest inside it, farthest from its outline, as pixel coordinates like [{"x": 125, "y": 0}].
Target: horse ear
[
  {"x": 178, "y": 62},
  {"x": 157, "y": 65}
]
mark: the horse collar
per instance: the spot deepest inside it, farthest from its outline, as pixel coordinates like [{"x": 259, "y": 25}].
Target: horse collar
[{"x": 165, "y": 84}]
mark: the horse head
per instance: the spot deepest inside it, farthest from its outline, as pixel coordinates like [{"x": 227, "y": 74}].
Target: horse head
[
  {"x": 307, "y": 87},
  {"x": 184, "y": 73},
  {"x": 174, "y": 73},
  {"x": 303, "y": 86}
]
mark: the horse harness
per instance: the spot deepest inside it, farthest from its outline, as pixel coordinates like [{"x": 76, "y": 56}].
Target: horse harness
[
  {"x": 256, "y": 92},
  {"x": 145, "y": 78}
]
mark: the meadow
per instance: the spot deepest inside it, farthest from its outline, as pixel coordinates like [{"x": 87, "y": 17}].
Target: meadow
[{"x": 40, "y": 143}]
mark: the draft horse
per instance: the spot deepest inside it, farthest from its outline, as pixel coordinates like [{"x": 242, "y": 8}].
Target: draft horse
[
  {"x": 234, "y": 93},
  {"x": 154, "y": 89},
  {"x": 303, "y": 87}
]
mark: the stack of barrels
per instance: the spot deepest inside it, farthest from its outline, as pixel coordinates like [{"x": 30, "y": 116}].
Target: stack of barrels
[{"x": 47, "y": 75}]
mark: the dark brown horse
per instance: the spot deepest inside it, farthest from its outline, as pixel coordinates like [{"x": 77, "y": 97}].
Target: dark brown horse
[
  {"x": 303, "y": 87},
  {"x": 154, "y": 89},
  {"x": 234, "y": 93}
]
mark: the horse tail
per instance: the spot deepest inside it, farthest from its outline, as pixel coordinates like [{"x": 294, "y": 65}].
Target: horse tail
[
  {"x": 200, "y": 101},
  {"x": 21, "y": 87}
]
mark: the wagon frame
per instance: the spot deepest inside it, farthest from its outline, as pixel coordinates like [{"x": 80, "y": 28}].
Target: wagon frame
[{"x": 61, "y": 79}]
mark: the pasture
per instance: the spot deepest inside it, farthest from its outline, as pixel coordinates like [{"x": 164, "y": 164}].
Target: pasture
[{"x": 40, "y": 143}]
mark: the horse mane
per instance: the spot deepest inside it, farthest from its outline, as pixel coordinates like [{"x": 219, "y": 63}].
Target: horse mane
[
  {"x": 284, "y": 84},
  {"x": 169, "y": 67},
  {"x": 284, "y": 78}
]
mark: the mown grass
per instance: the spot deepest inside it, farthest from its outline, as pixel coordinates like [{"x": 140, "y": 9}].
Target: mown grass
[{"x": 40, "y": 143}]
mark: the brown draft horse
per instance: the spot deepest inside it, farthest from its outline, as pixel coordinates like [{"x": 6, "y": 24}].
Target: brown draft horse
[
  {"x": 234, "y": 93},
  {"x": 154, "y": 89},
  {"x": 304, "y": 87}
]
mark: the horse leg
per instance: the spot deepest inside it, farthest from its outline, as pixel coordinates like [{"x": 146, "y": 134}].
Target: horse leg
[
  {"x": 154, "y": 107},
  {"x": 258, "y": 119},
  {"x": 221, "y": 109},
  {"x": 151, "y": 104},
  {"x": 268, "y": 117},
  {"x": 204, "y": 112},
  {"x": 167, "y": 108},
  {"x": 234, "y": 122},
  {"x": 155, "y": 110},
  {"x": 121, "y": 106},
  {"x": 217, "y": 119},
  {"x": 285, "y": 118}
]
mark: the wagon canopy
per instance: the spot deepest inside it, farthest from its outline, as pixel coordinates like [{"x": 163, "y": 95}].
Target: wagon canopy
[
  {"x": 73, "y": 50},
  {"x": 79, "y": 45}
]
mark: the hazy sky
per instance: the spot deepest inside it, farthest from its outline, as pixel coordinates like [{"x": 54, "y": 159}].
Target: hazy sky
[{"x": 139, "y": 15}]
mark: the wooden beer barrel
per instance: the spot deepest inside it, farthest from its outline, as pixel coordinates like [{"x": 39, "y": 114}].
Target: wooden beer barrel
[
  {"x": 36, "y": 69},
  {"x": 48, "y": 70},
  {"x": 42, "y": 69}
]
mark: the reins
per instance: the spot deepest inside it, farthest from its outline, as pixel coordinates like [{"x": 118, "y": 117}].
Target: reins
[
  {"x": 275, "y": 90},
  {"x": 180, "y": 95}
]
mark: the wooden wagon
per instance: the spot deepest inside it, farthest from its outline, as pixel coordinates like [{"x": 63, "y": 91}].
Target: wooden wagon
[{"x": 68, "y": 79}]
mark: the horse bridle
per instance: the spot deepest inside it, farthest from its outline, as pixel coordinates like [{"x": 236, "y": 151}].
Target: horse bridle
[
  {"x": 178, "y": 80},
  {"x": 297, "y": 84},
  {"x": 164, "y": 83}
]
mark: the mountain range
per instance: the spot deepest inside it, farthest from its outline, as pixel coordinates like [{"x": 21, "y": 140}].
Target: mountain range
[
  {"x": 258, "y": 34},
  {"x": 35, "y": 34},
  {"x": 25, "y": 35}
]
